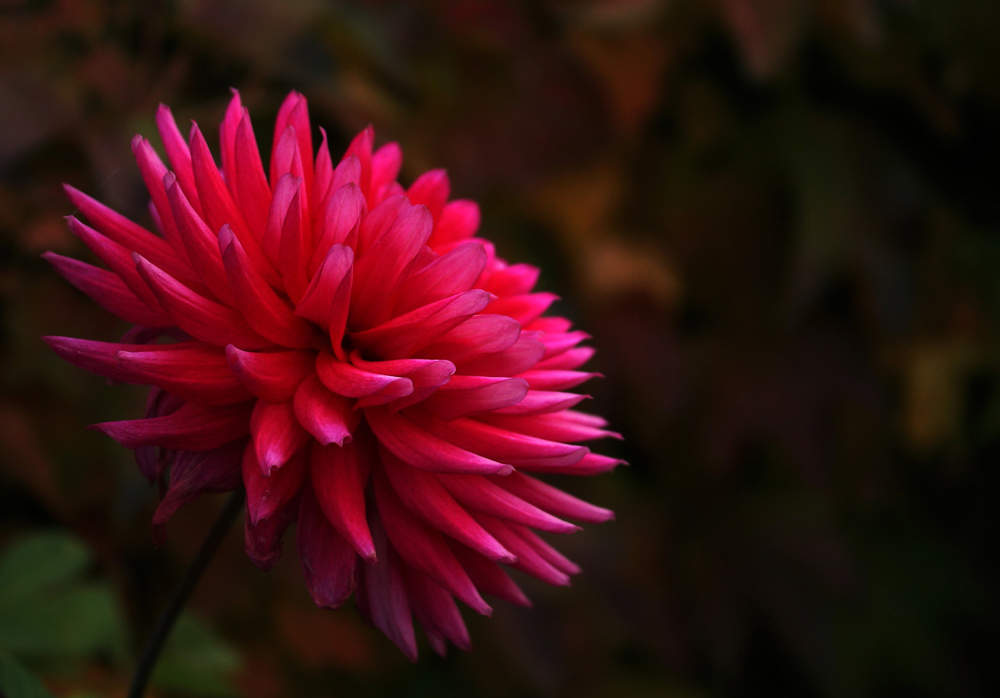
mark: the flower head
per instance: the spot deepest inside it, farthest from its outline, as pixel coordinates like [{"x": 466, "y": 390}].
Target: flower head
[{"x": 348, "y": 352}]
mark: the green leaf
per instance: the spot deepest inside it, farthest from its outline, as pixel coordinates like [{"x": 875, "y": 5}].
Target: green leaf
[
  {"x": 41, "y": 561},
  {"x": 47, "y": 606},
  {"x": 196, "y": 661},
  {"x": 18, "y": 682}
]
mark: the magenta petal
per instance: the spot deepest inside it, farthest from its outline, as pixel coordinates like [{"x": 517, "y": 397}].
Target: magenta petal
[
  {"x": 517, "y": 358},
  {"x": 552, "y": 499},
  {"x": 459, "y": 220},
  {"x": 514, "y": 280},
  {"x": 498, "y": 444},
  {"x": 271, "y": 376},
  {"x": 479, "y": 493},
  {"x": 263, "y": 539},
  {"x": 193, "y": 427},
  {"x": 488, "y": 576},
  {"x": 350, "y": 381},
  {"x": 447, "y": 275},
  {"x": 277, "y": 434},
  {"x": 556, "y": 380},
  {"x": 436, "y": 610},
  {"x": 201, "y": 318},
  {"x": 267, "y": 494},
  {"x": 325, "y": 415},
  {"x": 543, "y": 402},
  {"x": 251, "y": 188},
  {"x": 178, "y": 153},
  {"x": 424, "y": 495},
  {"x": 329, "y": 564},
  {"x": 339, "y": 478},
  {"x": 430, "y": 189},
  {"x": 384, "y": 596},
  {"x": 559, "y": 426},
  {"x": 567, "y": 360},
  {"x": 423, "y": 547},
  {"x": 108, "y": 290},
  {"x": 468, "y": 395},
  {"x": 327, "y": 298},
  {"x": 343, "y": 213},
  {"x": 480, "y": 335},
  {"x": 194, "y": 473},
  {"x": 264, "y": 311},
  {"x": 192, "y": 371},
  {"x": 413, "y": 445},
  {"x": 528, "y": 559}
]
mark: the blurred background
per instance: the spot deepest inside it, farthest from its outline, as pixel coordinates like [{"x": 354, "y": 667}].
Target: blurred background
[{"x": 778, "y": 218}]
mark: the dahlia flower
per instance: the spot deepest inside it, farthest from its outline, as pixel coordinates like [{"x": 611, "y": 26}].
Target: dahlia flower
[{"x": 349, "y": 353}]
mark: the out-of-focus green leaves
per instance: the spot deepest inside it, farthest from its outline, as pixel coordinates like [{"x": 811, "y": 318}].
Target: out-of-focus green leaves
[
  {"x": 48, "y": 607},
  {"x": 196, "y": 661},
  {"x": 18, "y": 682}
]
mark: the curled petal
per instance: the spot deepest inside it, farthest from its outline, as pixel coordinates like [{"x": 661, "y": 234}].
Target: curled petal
[
  {"x": 415, "y": 446},
  {"x": 192, "y": 370},
  {"x": 193, "y": 427},
  {"x": 267, "y": 494},
  {"x": 271, "y": 376},
  {"x": 277, "y": 435},
  {"x": 467, "y": 395},
  {"x": 263, "y": 540},
  {"x": 329, "y": 564},
  {"x": 339, "y": 478},
  {"x": 325, "y": 415}
]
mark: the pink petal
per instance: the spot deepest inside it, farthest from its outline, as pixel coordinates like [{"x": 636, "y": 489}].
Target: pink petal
[
  {"x": 409, "y": 333},
  {"x": 284, "y": 191},
  {"x": 195, "y": 372},
  {"x": 488, "y": 576},
  {"x": 153, "y": 170},
  {"x": 263, "y": 540},
  {"x": 129, "y": 235},
  {"x": 202, "y": 244},
  {"x": 545, "y": 379},
  {"x": 557, "y": 343},
  {"x": 264, "y": 311},
  {"x": 294, "y": 112},
  {"x": 552, "y": 500},
  {"x": 519, "y": 357},
  {"x": 384, "y": 596},
  {"x": 379, "y": 273},
  {"x": 423, "y": 547},
  {"x": 499, "y": 444},
  {"x": 413, "y": 445},
  {"x": 424, "y": 495},
  {"x": 422, "y": 373},
  {"x": 323, "y": 174},
  {"x": 102, "y": 357},
  {"x": 277, "y": 435},
  {"x": 108, "y": 290},
  {"x": 378, "y": 220},
  {"x": 436, "y": 610},
  {"x": 550, "y": 324},
  {"x": 361, "y": 148},
  {"x": 467, "y": 395},
  {"x": 325, "y": 415},
  {"x": 198, "y": 316},
  {"x": 295, "y": 248},
  {"x": 542, "y": 402},
  {"x": 326, "y": 301},
  {"x": 348, "y": 380},
  {"x": 216, "y": 470},
  {"x": 514, "y": 280},
  {"x": 267, "y": 494},
  {"x": 590, "y": 464},
  {"x": 178, "y": 153},
  {"x": 568, "y": 360},
  {"x": 193, "y": 427},
  {"x": 219, "y": 207},
  {"x": 479, "y": 493},
  {"x": 329, "y": 564},
  {"x": 430, "y": 189},
  {"x": 558, "y": 426},
  {"x": 449, "y": 274},
  {"x": 271, "y": 376},
  {"x": 523, "y": 308},
  {"x": 528, "y": 559},
  {"x": 339, "y": 478},
  {"x": 459, "y": 220},
  {"x": 545, "y": 551},
  {"x": 250, "y": 185},
  {"x": 479, "y": 335},
  {"x": 227, "y": 138},
  {"x": 385, "y": 165},
  {"x": 342, "y": 216}
]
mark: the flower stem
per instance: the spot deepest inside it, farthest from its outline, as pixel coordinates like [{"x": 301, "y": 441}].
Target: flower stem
[{"x": 165, "y": 623}]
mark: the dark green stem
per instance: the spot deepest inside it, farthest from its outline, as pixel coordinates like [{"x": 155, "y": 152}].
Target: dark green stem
[{"x": 165, "y": 623}]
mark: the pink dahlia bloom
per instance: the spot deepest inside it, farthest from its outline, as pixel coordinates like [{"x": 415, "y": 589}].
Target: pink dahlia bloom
[{"x": 349, "y": 352}]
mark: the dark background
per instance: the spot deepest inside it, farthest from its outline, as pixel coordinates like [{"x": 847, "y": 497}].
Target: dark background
[{"x": 779, "y": 220}]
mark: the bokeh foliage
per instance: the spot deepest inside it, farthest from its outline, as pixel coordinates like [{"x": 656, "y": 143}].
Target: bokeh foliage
[{"x": 778, "y": 218}]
